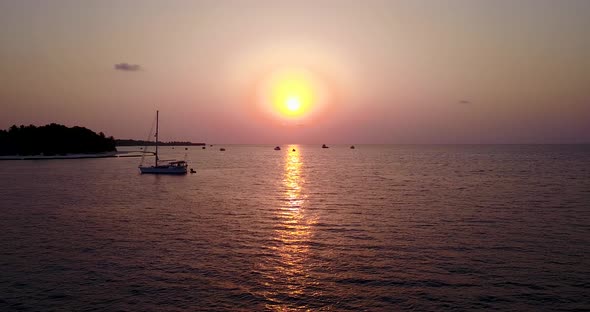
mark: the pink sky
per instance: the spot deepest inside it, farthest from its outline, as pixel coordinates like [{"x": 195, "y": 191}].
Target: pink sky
[{"x": 390, "y": 71}]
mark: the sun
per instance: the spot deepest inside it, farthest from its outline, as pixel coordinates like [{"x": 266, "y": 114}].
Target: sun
[
  {"x": 293, "y": 104},
  {"x": 292, "y": 95}
]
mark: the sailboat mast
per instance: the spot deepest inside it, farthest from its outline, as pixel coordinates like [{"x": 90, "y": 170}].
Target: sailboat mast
[{"x": 157, "y": 117}]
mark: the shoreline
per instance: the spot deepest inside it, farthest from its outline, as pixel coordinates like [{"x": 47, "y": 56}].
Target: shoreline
[{"x": 75, "y": 156}]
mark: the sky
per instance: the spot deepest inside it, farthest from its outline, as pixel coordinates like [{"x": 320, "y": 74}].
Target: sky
[{"x": 407, "y": 72}]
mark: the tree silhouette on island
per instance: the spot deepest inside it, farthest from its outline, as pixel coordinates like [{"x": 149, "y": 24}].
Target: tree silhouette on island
[
  {"x": 131, "y": 142},
  {"x": 53, "y": 139}
]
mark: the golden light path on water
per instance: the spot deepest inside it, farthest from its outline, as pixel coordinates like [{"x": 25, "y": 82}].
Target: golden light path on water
[{"x": 292, "y": 235}]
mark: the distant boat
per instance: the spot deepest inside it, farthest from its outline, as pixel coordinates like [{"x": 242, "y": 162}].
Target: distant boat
[
  {"x": 204, "y": 147},
  {"x": 173, "y": 167},
  {"x": 193, "y": 170},
  {"x": 352, "y": 147},
  {"x": 293, "y": 150},
  {"x": 222, "y": 149},
  {"x": 277, "y": 148},
  {"x": 325, "y": 146}
]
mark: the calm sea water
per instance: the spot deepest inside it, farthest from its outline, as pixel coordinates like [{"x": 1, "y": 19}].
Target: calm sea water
[{"x": 378, "y": 228}]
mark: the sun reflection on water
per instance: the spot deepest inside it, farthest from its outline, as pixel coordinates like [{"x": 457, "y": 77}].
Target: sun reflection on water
[{"x": 289, "y": 276}]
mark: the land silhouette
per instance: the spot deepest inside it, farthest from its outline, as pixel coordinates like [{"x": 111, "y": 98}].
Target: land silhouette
[
  {"x": 53, "y": 139},
  {"x": 130, "y": 142}
]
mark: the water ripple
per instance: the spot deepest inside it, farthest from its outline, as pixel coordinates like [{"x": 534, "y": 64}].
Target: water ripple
[{"x": 378, "y": 228}]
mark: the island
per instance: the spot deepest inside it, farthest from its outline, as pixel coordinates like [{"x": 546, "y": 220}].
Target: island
[
  {"x": 130, "y": 142},
  {"x": 54, "y": 141}
]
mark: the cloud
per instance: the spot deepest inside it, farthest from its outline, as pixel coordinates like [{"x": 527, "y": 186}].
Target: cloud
[{"x": 127, "y": 67}]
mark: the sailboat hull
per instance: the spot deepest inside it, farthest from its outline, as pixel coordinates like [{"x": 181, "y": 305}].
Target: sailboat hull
[
  {"x": 163, "y": 170},
  {"x": 173, "y": 167}
]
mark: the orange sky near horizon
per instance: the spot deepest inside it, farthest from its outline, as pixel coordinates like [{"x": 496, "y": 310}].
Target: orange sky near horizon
[{"x": 360, "y": 72}]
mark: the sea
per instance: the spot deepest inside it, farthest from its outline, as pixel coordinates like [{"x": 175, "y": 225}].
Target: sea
[{"x": 375, "y": 228}]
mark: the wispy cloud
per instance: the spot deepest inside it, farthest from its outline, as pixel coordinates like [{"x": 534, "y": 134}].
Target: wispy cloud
[{"x": 127, "y": 67}]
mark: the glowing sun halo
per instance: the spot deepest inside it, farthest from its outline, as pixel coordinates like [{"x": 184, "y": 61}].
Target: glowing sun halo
[{"x": 292, "y": 95}]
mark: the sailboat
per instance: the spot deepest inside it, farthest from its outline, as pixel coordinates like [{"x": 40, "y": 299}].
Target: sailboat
[{"x": 173, "y": 167}]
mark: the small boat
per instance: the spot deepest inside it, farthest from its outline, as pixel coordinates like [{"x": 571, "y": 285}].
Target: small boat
[
  {"x": 173, "y": 167},
  {"x": 325, "y": 146},
  {"x": 277, "y": 148},
  {"x": 352, "y": 147},
  {"x": 204, "y": 147},
  {"x": 186, "y": 148},
  {"x": 292, "y": 150},
  {"x": 222, "y": 149},
  {"x": 193, "y": 170}
]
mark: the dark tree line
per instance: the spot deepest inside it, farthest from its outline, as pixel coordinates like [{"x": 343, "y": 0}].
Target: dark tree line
[
  {"x": 129, "y": 142},
  {"x": 53, "y": 139}
]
